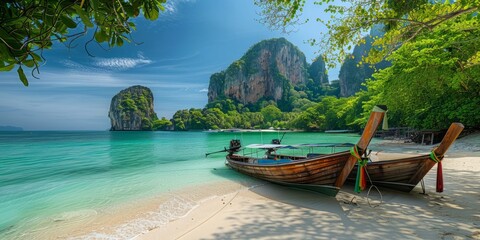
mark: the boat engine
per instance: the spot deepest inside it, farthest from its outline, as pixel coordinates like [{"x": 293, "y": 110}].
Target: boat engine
[
  {"x": 276, "y": 141},
  {"x": 235, "y": 146}
]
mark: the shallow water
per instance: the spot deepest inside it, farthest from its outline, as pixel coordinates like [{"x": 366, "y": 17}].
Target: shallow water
[{"x": 52, "y": 178}]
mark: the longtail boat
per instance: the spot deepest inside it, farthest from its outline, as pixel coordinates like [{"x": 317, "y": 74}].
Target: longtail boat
[
  {"x": 325, "y": 174},
  {"x": 405, "y": 173}
]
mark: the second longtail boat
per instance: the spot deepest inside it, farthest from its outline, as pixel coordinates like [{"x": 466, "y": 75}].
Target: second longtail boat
[{"x": 405, "y": 173}]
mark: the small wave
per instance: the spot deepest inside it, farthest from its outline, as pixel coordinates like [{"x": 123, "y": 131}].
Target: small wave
[{"x": 174, "y": 208}]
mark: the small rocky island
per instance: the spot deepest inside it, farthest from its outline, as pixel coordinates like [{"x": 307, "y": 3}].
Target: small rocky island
[{"x": 132, "y": 110}]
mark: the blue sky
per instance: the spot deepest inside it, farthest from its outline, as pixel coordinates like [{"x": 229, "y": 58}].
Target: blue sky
[{"x": 178, "y": 53}]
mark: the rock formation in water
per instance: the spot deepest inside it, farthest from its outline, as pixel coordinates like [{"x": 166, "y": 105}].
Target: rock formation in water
[
  {"x": 132, "y": 110},
  {"x": 267, "y": 71}
]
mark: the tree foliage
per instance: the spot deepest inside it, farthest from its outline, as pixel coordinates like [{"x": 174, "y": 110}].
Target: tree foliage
[
  {"x": 433, "y": 81},
  {"x": 27, "y": 27},
  {"x": 278, "y": 14},
  {"x": 433, "y": 49},
  {"x": 404, "y": 21},
  {"x": 162, "y": 124}
]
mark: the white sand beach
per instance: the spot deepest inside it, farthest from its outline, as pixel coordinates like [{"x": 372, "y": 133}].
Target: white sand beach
[{"x": 268, "y": 211}]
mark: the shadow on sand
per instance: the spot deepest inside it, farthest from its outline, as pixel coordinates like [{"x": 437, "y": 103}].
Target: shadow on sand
[{"x": 297, "y": 214}]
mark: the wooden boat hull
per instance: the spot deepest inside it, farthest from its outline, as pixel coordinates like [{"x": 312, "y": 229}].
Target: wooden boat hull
[
  {"x": 405, "y": 173},
  {"x": 394, "y": 174},
  {"x": 317, "y": 174}
]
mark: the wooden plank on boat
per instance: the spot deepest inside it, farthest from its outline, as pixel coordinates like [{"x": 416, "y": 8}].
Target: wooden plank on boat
[{"x": 367, "y": 135}]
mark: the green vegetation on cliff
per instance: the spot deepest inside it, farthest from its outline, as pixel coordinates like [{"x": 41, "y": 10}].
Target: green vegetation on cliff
[
  {"x": 132, "y": 110},
  {"x": 268, "y": 71},
  {"x": 272, "y": 70}
]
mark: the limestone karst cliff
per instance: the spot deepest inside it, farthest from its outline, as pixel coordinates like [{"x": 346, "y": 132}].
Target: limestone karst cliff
[
  {"x": 267, "y": 71},
  {"x": 317, "y": 72},
  {"x": 132, "y": 110},
  {"x": 352, "y": 73}
]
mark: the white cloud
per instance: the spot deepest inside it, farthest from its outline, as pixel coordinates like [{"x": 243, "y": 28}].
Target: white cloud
[
  {"x": 105, "y": 65},
  {"x": 203, "y": 90},
  {"x": 80, "y": 67},
  {"x": 171, "y": 6},
  {"x": 120, "y": 63}
]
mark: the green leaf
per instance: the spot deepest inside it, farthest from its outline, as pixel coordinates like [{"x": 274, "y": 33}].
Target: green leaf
[
  {"x": 29, "y": 63},
  {"x": 7, "y": 68},
  {"x": 129, "y": 10},
  {"x": 100, "y": 36},
  {"x": 36, "y": 57},
  {"x": 68, "y": 21},
  {"x": 83, "y": 15},
  {"x": 94, "y": 4},
  {"x": 132, "y": 25},
  {"x": 119, "y": 42},
  {"x": 22, "y": 76},
  {"x": 11, "y": 41},
  {"x": 151, "y": 12}
]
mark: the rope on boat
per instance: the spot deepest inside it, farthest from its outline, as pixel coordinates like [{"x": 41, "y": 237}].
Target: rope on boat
[
  {"x": 361, "y": 182},
  {"x": 433, "y": 156},
  {"x": 369, "y": 189},
  {"x": 423, "y": 186}
]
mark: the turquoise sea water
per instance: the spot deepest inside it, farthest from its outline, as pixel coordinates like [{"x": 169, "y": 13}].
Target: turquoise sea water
[{"x": 45, "y": 176}]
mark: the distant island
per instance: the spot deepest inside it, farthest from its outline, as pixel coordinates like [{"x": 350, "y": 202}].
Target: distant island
[
  {"x": 10, "y": 129},
  {"x": 132, "y": 110}
]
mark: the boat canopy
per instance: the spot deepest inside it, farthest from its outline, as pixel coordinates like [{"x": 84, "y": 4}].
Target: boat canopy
[
  {"x": 270, "y": 146},
  {"x": 305, "y": 145},
  {"x": 297, "y": 146}
]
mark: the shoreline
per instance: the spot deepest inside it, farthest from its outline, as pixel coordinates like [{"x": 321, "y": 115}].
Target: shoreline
[{"x": 254, "y": 209}]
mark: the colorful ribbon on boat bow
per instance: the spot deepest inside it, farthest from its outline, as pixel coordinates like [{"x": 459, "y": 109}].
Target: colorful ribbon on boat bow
[
  {"x": 361, "y": 181},
  {"x": 434, "y": 158}
]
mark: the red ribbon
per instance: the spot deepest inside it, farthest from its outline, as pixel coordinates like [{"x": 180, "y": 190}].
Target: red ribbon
[
  {"x": 363, "y": 179},
  {"x": 439, "y": 177}
]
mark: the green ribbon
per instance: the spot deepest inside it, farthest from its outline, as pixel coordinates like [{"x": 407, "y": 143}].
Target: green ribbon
[
  {"x": 434, "y": 157},
  {"x": 354, "y": 152},
  {"x": 362, "y": 162}
]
